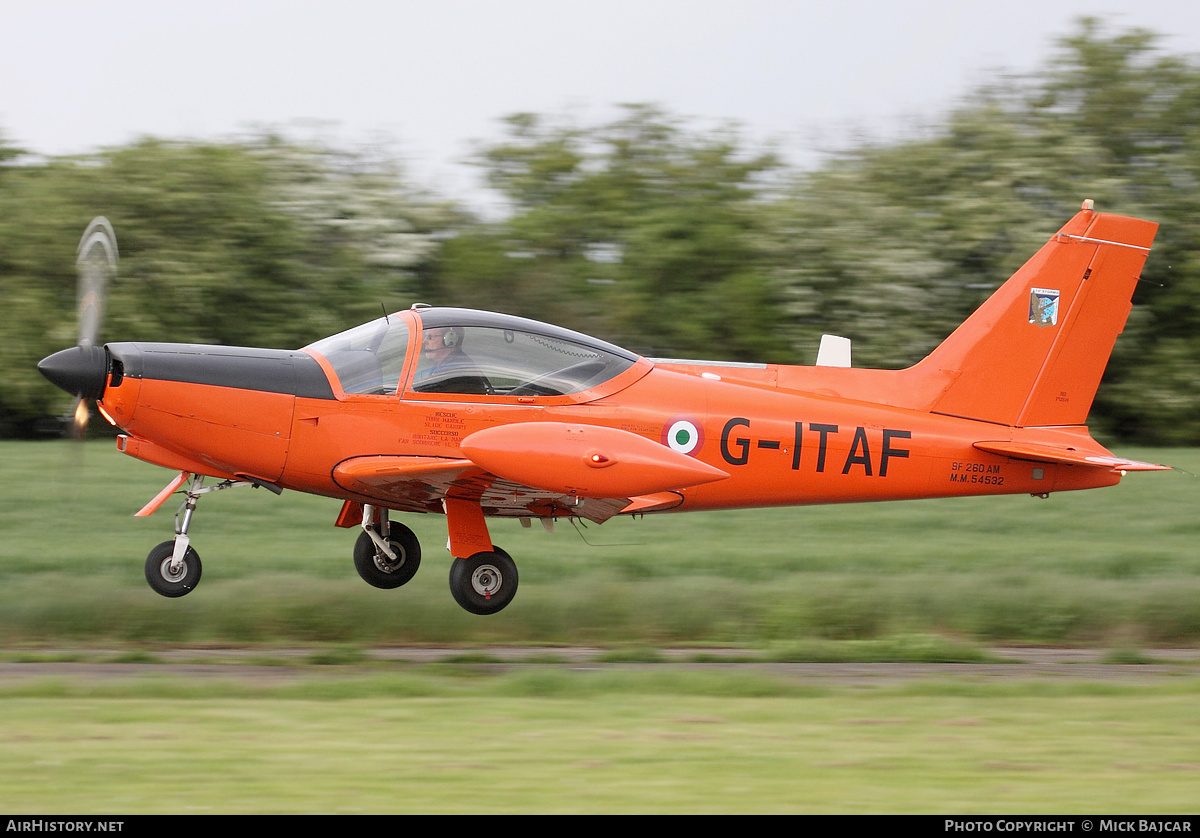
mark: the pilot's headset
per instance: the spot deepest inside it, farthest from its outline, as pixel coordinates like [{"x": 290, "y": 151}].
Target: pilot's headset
[{"x": 452, "y": 337}]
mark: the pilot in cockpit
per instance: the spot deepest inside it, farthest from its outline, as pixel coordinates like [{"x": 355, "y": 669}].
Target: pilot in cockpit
[
  {"x": 444, "y": 366},
  {"x": 443, "y": 347}
]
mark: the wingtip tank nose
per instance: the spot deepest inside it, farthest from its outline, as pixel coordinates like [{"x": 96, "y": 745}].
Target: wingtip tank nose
[{"x": 81, "y": 370}]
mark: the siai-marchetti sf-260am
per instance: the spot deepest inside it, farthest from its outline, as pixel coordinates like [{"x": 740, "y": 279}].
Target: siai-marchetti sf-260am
[{"x": 476, "y": 415}]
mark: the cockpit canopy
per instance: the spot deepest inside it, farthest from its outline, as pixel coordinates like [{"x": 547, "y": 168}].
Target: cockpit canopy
[{"x": 472, "y": 353}]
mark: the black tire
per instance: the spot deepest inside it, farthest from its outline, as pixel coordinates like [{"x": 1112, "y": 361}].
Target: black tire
[
  {"x": 485, "y": 582},
  {"x": 160, "y": 577},
  {"x": 377, "y": 569}
]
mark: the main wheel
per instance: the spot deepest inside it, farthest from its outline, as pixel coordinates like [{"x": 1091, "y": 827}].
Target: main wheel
[
  {"x": 377, "y": 569},
  {"x": 484, "y": 583},
  {"x": 160, "y": 577}
]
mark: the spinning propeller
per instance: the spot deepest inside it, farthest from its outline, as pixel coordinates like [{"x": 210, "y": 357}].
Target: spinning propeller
[{"x": 82, "y": 370}]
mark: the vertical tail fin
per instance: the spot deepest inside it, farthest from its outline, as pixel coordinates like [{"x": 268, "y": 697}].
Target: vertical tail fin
[{"x": 1034, "y": 352}]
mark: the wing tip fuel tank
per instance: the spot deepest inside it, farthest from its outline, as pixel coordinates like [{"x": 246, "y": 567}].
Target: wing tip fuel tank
[{"x": 586, "y": 460}]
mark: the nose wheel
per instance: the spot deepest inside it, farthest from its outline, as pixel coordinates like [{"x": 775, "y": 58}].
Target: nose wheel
[
  {"x": 170, "y": 578},
  {"x": 485, "y": 582},
  {"x": 173, "y": 567}
]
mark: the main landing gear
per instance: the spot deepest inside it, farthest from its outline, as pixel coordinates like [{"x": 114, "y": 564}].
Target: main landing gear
[
  {"x": 485, "y": 582},
  {"x": 387, "y": 555}
]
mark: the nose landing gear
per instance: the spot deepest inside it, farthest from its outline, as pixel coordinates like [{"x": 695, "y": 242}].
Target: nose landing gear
[{"x": 173, "y": 567}]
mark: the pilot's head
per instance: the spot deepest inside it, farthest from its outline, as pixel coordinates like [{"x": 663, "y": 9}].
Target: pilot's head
[{"x": 438, "y": 343}]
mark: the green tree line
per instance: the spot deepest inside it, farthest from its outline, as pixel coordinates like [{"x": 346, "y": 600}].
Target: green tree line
[{"x": 647, "y": 231}]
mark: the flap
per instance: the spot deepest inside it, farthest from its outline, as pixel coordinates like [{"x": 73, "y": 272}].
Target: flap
[{"x": 420, "y": 484}]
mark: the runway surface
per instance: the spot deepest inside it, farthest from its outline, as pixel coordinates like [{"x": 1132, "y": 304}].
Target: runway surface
[{"x": 258, "y": 664}]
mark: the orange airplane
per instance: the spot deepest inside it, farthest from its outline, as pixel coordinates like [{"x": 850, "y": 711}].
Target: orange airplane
[{"x": 474, "y": 415}]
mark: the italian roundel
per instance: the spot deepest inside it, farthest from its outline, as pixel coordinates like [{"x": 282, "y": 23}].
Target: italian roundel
[{"x": 683, "y": 434}]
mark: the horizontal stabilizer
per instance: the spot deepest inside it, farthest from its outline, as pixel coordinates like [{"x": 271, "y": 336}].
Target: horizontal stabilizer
[{"x": 1066, "y": 455}]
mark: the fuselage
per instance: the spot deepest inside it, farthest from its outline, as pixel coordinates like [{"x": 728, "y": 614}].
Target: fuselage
[{"x": 285, "y": 418}]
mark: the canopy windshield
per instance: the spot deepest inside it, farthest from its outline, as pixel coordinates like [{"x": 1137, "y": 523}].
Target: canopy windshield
[
  {"x": 473, "y": 352},
  {"x": 368, "y": 358}
]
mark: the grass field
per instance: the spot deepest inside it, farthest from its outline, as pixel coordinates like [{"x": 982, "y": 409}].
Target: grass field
[
  {"x": 941, "y": 580},
  {"x": 549, "y": 740}
]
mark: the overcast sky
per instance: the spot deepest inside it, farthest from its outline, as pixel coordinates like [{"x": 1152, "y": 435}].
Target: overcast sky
[{"x": 432, "y": 77}]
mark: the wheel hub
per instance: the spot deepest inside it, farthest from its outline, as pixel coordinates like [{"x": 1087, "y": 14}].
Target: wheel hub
[
  {"x": 170, "y": 575},
  {"x": 486, "y": 580},
  {"x": 385, "y": 564}
]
